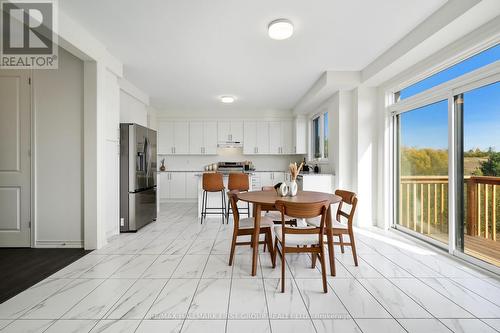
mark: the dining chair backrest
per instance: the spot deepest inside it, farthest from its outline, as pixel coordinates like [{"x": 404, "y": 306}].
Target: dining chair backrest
[
  {"x": 238, "y": 181},
  {"x": 233, "y": 201},
  {"x": 303, "y": 210},
  {"x": 212, "y": 182},
  {"x": 348, "y": 198}
]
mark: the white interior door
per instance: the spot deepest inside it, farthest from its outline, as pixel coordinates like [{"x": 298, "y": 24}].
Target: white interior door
[{"x": 15, "y": 168}]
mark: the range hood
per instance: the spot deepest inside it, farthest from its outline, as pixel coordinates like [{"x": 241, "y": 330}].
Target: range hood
[{"x": 230, "y": 144}]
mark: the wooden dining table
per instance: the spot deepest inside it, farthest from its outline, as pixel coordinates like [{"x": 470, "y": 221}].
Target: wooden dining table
[{"x": 265, "y": 201}]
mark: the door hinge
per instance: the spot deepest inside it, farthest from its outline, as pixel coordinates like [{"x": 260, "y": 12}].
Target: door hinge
[
  {"x": 29, "y": 80},
  {"x": 29, "y": 224}
]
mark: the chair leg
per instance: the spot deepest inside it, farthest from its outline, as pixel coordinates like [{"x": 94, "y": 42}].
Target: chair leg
[
  {"x": 283, "y": 264},
  {"x": 275, "y": 252},
  {"x": 331, "y": 254},
  {"x": 341, "y": 243},
  {"x": 233, "y": 247},
  {"x": 313, "y": 260},
  {"x": 203, "y": 204},
  {"x": 353, "y": 248},
  {"x": 223, "y": 206},
  {"x": 248, "y": 209},
  {"x": 323, "y": 268},
  {"x": 265, "y": 242},
  {"x": 228, "y": 211},
  {"x": 270, "y": 244}
]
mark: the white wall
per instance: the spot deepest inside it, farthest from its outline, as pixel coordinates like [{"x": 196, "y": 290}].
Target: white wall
[
  {"x": 132, "y": 110},
  {"x": 111, "y": 156},
  {"x": 365, "y": 146},
  {"x": 58, "y": 138}
]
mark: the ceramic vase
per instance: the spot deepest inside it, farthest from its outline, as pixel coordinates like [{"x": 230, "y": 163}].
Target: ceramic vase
[{"x": 293, "y": 188}]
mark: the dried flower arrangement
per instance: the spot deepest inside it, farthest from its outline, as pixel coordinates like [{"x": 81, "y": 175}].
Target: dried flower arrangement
[{"x": 294, "y": 170}]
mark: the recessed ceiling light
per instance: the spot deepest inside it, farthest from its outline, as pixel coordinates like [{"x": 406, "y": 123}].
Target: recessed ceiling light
[
  {"x": 227, "y": 99},
  {"x": 280, "y": 29}
]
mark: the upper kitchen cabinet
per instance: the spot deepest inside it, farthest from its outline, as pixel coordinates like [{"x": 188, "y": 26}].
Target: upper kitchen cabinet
[
  {"x": 173, "y": 138},
  {"x": 256, "y": 137},
  {"x": 281, "y": 137},
  {"x": 230, "y": 131},
  {"x": 203, "y": 138},
  {"x": 300, "y": 135}
]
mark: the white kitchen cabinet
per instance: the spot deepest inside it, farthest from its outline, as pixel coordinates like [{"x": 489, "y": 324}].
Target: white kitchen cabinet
[
  {"x": 262, "y": 137},
  {"x": 275, "y": 137},
  {"x": 196, "y": 140},
  {"x": 287, "y": 145},
  {"x": 181, "y": 137},
  {"x": 256, "y": 138},
  {"x": 269, "y": 178},
  {"x": 230, "y": 130},
  {"x": 163, "y": 185},
  {"x": 250, "y": 138},
  {"x": 166, "y": 137},
  {"x": 192, "y": 185},
  {"x": 210, "y": 137},
  {"x": 173, "y": 138},
  {"x": 300, "y": 135},
  {"x": 202, "y": 137},
  {"x": 172, "y": 185}
]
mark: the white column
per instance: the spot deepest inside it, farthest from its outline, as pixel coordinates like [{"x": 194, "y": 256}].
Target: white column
[{"x": 94, "y": 229}]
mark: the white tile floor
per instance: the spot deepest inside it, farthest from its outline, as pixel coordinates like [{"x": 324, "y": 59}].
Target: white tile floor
[{"x": 173, "y": 276}]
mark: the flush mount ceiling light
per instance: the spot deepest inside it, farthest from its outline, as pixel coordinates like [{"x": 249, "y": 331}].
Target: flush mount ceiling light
[
  {"x": 227, "y": 99},
  {"x": 280, "y": 29}
]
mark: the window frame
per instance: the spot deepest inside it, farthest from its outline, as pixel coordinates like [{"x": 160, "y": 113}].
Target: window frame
[
  {"x": 321, "y": 117},
  {"x": 448, "y": 90}
]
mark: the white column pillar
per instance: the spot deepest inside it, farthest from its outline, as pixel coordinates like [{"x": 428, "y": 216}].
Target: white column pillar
[{"x": 94, "y": 229}]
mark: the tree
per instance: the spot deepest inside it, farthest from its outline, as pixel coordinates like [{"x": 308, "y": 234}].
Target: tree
[{"x": 491, "y": 167}]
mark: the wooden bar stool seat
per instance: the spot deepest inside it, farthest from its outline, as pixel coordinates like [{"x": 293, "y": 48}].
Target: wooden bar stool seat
[
  {"x": 238, "y": 182},
  {"x": 212, "y": 183}
]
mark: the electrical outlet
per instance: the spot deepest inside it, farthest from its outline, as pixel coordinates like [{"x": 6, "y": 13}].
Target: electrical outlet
[{"x": 122, "y": 222}]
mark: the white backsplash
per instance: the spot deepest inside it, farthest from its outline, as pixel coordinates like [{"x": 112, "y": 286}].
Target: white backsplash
[{"x": 197, "y": 162}]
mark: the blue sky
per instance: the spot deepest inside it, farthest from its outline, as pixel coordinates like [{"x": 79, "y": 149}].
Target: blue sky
[{"x": 427, "y": 127}]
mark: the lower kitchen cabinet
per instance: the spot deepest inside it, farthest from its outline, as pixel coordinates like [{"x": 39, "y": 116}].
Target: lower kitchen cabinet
[{"x": 173, "y": 185}]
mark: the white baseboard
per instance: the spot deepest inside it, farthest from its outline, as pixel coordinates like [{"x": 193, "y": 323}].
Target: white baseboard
[{"x": 59, "y": 243}]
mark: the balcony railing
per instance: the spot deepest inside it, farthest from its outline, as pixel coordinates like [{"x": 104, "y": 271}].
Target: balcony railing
[
  {"x": 481, "y": 207},
  {"x": 423, "y": 202}
]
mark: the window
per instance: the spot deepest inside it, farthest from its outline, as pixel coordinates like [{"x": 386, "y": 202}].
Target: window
[
  {"x": 423, "y": 169},
  {"x": 460, "y": 120},
  {"x": 316, "y": 138},
  {"x": 320, "y": 135},
  {"x": 468, "y": 65}
]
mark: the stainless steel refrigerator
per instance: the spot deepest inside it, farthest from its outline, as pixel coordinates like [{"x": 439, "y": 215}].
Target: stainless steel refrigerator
[{"x": 137, "y": 176}]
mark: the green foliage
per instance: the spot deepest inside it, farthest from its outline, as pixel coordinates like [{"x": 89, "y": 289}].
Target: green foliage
[
  {"x": 476, "y": 153},
  {"x": 424, "y": 162},
  {"x": 491, "y": 167}
]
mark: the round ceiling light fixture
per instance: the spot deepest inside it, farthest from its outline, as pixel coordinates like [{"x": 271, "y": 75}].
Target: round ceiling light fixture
[
  {"x": 227, "y": 99},
  {"x": 280, "y": 29}
]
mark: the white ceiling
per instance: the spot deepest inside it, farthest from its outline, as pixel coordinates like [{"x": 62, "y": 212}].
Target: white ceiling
[{"x": 186, "y": 53}]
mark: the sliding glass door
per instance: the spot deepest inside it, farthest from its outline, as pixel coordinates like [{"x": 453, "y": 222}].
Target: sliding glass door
[
  {"x": 479, "y": 111},
  {"x": 423, "y": 170}
]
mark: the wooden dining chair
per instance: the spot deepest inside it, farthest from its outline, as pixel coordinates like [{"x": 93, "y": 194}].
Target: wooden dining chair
[
  {"x": 301, "y": 239},
  {"x": 275, "y": 215},
  {"x": 212, "y": 183},
  {"x": 338, "y": 227},
  {"x": 246, "y": 227},
  {"x": 238, "y": 181}
]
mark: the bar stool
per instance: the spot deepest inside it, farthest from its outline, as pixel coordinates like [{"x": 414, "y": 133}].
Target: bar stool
[
  {"x": 212, "y": 183},
  {"x": 238, "y": 182}
]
